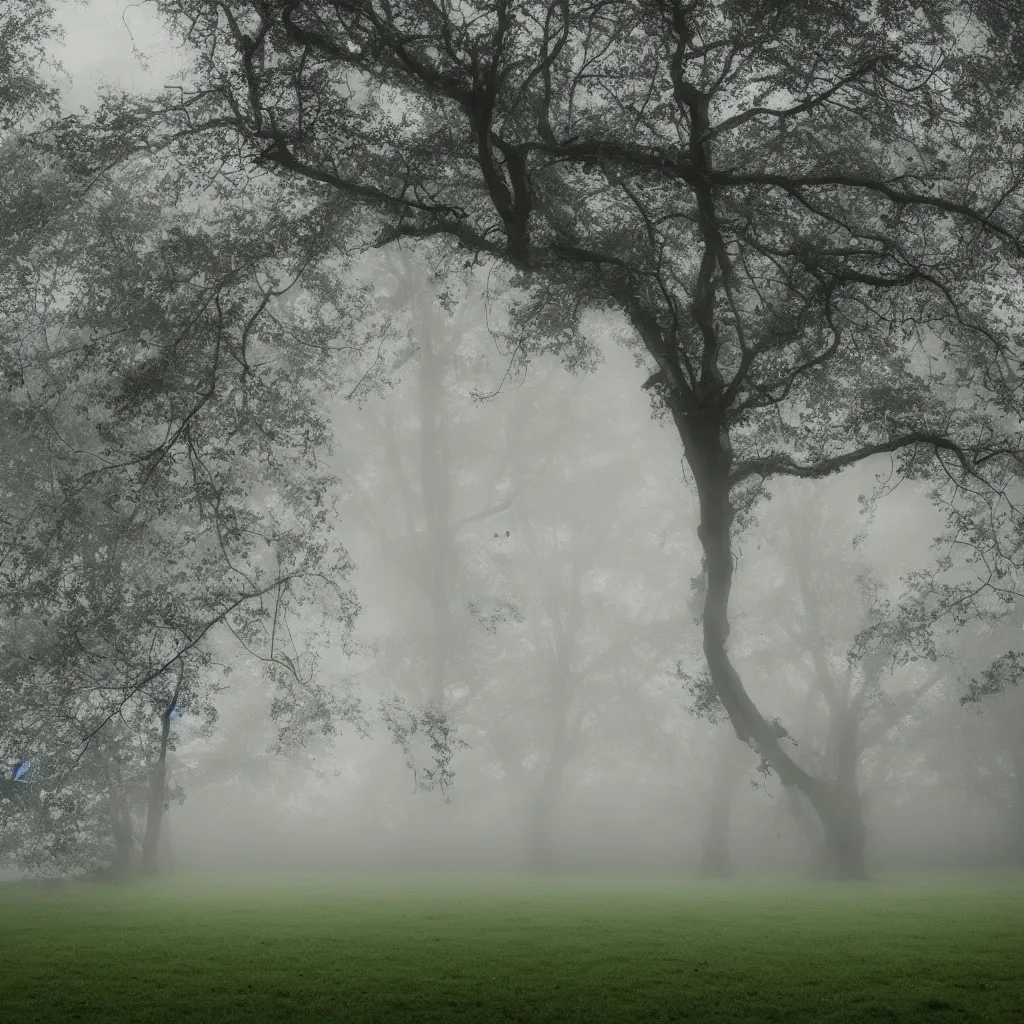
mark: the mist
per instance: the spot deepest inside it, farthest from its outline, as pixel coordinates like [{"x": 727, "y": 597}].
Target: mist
[
  {"x": 541, "y": 518},
  {"x": 511, "y": 510},
  {"x": 522, "y": 532}
]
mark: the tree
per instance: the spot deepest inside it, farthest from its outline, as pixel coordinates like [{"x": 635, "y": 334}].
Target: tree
[
  {"x": 26, "y": 26},
  {"x": 161, "y": 482},
  {"x": 996, "y": 771},
  {"x": 809, "y": 214},
  {"x": 410, "y": 448},
  {"x": 852, "y": 693}
]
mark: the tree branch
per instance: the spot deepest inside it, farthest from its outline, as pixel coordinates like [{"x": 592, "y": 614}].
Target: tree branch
[
  {"x": 792, "y": 185},
  {"x": 782, "y": 464}
]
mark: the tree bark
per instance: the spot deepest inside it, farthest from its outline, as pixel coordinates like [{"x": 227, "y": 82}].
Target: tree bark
[
  {"x": 158, "y": 786},
  {"x": 846, "y": 837},
  {"x": 121, "y": 830},
  {"x": 842, "y": 853},
  {"x": 838, "y": 837},
  {"x": 708, "y": 452},
  {"x": 118, "y": 812}
]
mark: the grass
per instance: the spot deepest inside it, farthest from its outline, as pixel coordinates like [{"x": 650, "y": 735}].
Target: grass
[{"x": 488, "y": 950}]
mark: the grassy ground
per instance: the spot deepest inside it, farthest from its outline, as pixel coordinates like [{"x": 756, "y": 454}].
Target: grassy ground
[{"x": 947, "y": 948}]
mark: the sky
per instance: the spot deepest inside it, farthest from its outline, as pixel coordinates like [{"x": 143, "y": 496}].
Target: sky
[{"x": 113, "y": 42}]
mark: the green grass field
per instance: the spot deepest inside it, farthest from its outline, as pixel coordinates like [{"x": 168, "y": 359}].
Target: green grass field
[{"x": 441, "y": 949}]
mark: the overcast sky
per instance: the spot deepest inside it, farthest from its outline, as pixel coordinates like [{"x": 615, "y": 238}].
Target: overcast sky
[{"x": 100, "y": 38}]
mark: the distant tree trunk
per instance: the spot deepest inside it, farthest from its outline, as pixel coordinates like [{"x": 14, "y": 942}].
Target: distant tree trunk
[
  {"x": 1016, "y": 820},
  {"x": 158, "y": 786},
  {"x": 730, "y": 766},
  {"x": 118, "y": 812},
  {"x": 546, "y": 800},
  {"x": 846, "y": 837},
  {"x": 157, "y": 797},
  {"x": 121, "y": 829},
  {"x": 566, "y": 615},
  {"x": 836, "y": 832},
  {"x": 547, "y": 796},
  {"x": 842, "y": 855}
]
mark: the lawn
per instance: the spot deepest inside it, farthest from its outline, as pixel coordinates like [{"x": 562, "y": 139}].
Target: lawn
[{"x": 444, "y": 949}]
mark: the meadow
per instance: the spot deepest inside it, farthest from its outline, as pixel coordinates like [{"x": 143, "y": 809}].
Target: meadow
[{"x": 486, "y": 949}]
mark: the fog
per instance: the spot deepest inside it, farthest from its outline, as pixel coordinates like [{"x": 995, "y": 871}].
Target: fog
[
  {"x": 543, "y": 520},
  {"x": 524, "y": 548}
]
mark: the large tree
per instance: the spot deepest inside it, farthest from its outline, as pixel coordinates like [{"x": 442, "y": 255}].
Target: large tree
[{"x": 808, "y": 213}]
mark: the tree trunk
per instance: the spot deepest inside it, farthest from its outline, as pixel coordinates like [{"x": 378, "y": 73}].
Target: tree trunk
[
  {"x": 542, "y": 854},
  {"x": 565, "y": 623},
  {"x": 118, "y": 812},
  {"x": 708, "y": 452},
  {"x": 544, "y": 807},
  {"x": 845, "y": 835},
  {"x": 121, "y": 830},
  {"x": 837, "y": 837},
  {"x": 845, "y": 839},
  {"x": 799, "y": 809},
  {"x": 158, "y": 786},
  {"x": 157, "y": 796},
  {"x": 1016, "y": 819},
  {"x": 729, "y": 768}
]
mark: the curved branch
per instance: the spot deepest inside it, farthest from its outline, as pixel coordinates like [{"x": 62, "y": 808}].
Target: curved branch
[
  {"x": 808, "y": 104},
  {"x": 782, "y": 464}
]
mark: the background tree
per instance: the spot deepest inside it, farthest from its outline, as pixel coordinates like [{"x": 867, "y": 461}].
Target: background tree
[
  {"x": 163, "y": 481},
  {"x": 26, "y": 27},
  {"x": 993, "y": 769},
  {"x": 841, "y": 697},
  {"x": 536, "y": 528}
]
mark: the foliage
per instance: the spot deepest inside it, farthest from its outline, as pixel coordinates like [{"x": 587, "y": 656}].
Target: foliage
[
  {"x": 26, "y": 26},
  {"x": 809, "y": 214},
  {"x": 436, "y": 728},
  {"x": 182, "y": 432},
  {"x": 1004, "y": 672},
  {"x": 162, "y": 482}
]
